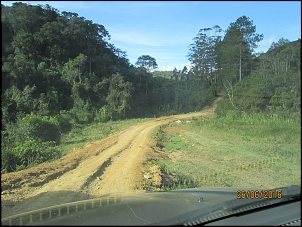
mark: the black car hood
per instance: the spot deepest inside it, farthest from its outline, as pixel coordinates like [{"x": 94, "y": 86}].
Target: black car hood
[{"x": 150, "y": 208}]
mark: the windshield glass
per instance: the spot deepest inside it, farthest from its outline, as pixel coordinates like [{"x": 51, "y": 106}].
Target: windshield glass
[{"x": 114, "y": 99}]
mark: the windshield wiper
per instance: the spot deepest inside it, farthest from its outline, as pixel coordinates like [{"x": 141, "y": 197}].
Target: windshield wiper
[{"x": 235, "y": 206}]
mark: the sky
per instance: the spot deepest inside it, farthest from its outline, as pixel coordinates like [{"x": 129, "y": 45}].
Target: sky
[{"x": 165, "y": 29}]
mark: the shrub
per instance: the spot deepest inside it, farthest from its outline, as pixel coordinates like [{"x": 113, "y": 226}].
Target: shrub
[
  {"x": 223, "y": 107},
  {"x": 64, "y": 120},
  {"x": 40, "y": 128},
  {"x": 31, "y": 152},
  {"x": 9, "y": 160},
  {"x": 103, "y": 114}
]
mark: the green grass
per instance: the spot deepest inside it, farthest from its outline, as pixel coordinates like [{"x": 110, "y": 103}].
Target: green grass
[
  {"x": 246, "y": 151},
  {"x": 83, "y": 134}
]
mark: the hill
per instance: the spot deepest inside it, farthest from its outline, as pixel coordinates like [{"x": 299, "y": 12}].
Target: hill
[{"x": 274, "y": 86}]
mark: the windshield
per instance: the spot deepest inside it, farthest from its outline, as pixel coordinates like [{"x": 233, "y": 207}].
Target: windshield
[{"x": 114, "y": 99}]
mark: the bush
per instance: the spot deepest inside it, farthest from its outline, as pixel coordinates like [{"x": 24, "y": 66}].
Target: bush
[
  {"x": 223, "y": 107},
  {"x": 31, "y": 152},
  {"x": 64, "y": 120},
  {"x": 103, "y": 114},
  {"x": 9, "y": 160},
  {"x": 40, "y": 128},
  {"x": 21, "y": 147},
  {"x": 8, "y": 157}
]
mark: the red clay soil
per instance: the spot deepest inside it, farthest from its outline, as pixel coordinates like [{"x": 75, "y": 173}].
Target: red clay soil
[{"x": 110, "y": 166}]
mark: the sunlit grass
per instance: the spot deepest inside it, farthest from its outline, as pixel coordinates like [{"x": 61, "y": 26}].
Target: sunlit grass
[{"x": 247, "y": 151}]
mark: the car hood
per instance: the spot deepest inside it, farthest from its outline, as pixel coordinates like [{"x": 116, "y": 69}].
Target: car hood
[{"x": 150, "y": 208}]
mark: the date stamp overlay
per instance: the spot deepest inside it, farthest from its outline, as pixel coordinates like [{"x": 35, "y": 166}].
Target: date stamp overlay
[{"x": 259, "y": 194}]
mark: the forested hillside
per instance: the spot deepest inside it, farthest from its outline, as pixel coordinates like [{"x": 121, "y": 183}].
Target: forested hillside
[
  {"x": 274, "y": 86},
  {"x": 60, "y": 70}
]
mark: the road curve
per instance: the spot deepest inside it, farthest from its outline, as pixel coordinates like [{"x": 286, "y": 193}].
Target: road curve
[{"x": 110, "y": 166}]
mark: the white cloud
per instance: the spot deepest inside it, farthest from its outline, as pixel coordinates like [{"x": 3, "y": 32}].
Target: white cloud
[
  {"x": 166, "y": 68},
  {"x": 171, "y": 67},
  {"x": 266, "y": 43}
]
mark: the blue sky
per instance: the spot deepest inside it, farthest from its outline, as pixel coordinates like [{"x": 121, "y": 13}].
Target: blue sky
[{"x": 165, "y": 29}]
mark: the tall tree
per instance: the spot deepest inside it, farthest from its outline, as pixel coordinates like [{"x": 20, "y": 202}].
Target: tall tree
[
  {"x": 147, "y": 62},
  {"x": 238, "y": 44},
  {"x": 119, "y": 95},
  {"x": 203, "y": 54},
  {"x": 73, "y": 69}
]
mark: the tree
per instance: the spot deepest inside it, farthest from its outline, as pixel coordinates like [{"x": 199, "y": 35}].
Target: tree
[
  {"x": 147, "y": 62},
  {"x": 73, "y": 69},
  {"x": 280, "y": 43},
  {"x": 238, "y": 44},
  {"x": 236, "y": 53},
  {"x": 146, "y": 65},
  {"x": 203, "y": 54},
  {"x": 274, "y": 85},
  {"x": 119, "y": 95}
]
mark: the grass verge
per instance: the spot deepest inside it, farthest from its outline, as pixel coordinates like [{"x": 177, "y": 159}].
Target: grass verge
[{"x": 254, "y": 151}]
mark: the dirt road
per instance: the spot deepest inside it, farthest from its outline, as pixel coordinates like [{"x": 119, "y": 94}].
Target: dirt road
[{"x": 110, "y": 166}]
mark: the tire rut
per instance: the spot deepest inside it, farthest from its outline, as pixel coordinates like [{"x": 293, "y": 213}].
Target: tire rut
[
  {"x": 97, "y": 175},
  {"x": 110, "y": 166}
]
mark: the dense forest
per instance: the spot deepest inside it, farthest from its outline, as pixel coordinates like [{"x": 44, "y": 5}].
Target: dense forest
[{"x": 60, "y": 70}]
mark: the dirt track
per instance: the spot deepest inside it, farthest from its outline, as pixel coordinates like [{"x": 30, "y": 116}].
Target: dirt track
[{"x": 110, "y": 166}]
